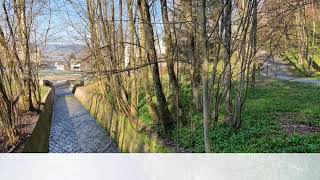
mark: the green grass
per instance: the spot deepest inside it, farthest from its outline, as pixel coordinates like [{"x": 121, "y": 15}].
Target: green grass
[
  {"x": 299, "y": 70},
  {"x": 316, "y": 77},
  {"x": 43, "y": 90},
  {"x": 266, "y": 107}
]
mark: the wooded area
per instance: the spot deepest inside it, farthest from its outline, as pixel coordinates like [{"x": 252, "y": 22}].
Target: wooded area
[
  {"x": 19, "y": 80},
  {"x": 209, "y": 63}
]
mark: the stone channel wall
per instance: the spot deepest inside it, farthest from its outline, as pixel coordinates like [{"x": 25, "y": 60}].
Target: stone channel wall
[
  {"x": 39, "y": 140},
  {"x": 123, "y": 132}
]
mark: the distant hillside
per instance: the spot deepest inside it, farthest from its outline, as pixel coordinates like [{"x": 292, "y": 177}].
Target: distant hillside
[{"x": 57, "y": 52}]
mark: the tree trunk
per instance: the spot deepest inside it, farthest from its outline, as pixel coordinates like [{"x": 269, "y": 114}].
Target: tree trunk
[
  {"x": 205, "y": 69},
  {"x": 20, "y": 10},
  {"x": 164, "y": 113},
  {"x": 174, "y": 90},
  {"x": 122, "y": 47},
  {"x": 191, "y": 43},
  {"x": 227, "y": 57},
  {"x": 134, "y": 89},
  {"x": 254, "y": 40}
]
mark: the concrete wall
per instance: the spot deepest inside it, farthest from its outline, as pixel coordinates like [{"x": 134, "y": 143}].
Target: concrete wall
[
  {"x": 39, "y": 140},
  {"x": 123, "y": 131}
]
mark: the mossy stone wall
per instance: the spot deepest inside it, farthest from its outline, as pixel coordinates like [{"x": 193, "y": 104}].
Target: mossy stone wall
[{"x": 120, "y": 129}]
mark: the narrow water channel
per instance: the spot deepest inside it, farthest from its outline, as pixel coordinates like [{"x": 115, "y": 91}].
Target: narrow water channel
[{"x": 73, "y": 129}]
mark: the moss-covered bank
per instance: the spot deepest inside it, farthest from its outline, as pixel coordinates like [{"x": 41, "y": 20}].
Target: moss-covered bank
[{"x": 123, "y": 131}]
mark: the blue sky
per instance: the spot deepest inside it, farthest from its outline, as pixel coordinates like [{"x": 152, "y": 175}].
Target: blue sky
[{"x": 65, "y": 14}]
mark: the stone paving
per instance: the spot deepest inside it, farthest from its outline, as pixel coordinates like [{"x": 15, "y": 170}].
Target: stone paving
[{"x": 73, "y": 129}]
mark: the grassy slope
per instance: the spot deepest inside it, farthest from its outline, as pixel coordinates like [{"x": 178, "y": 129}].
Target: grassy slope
[
  {"x": 291, "y": 57},
  {"x": 270, "y": 103},
  {"x": 44, "y": 90}
]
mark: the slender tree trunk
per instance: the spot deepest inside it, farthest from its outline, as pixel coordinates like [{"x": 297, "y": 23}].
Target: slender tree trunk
[
  {"x": 93, "y": 28},
  {"x": 191, "y": 48},
  {"x": 164, "y": 113},
  {"x": 227, "y": 57},
  {"x": 205, "y": 69},
  {"x": 169, "y": 52},
  {"x": 20, "y": 11},
  {"x": 146, "y": 83},
  {"x": 254, "y": 39},
  {"x": 306, "y": 40},
  {"x": 122, "y": 47},
  {"x": 134, "y": 88}
]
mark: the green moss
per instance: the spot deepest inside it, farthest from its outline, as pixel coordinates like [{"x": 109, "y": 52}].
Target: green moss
[
  {"x": 44, "y": 90},
  {"x": 143, "y": 110}
]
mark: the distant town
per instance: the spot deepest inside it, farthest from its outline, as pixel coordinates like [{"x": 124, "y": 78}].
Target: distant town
[
  {"x": 64, "y": 58},
  {"x": 74, "y": 57}
]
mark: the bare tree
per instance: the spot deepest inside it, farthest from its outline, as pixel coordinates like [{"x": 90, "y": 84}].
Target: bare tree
[
  {"x": 164, "y": 113},
  {"x": 205, "y": 69}
]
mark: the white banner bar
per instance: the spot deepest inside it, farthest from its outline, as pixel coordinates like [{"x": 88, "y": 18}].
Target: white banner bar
[{"x": 159, "y": 166}]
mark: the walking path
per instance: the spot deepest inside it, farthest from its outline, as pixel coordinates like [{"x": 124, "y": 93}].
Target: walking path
[
  {"x": 278, "y": 69},
  {"x": 73, "y": 129}
]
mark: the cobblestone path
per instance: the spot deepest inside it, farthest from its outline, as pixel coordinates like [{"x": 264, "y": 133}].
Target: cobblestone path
[{"x": 73, "y": 129}]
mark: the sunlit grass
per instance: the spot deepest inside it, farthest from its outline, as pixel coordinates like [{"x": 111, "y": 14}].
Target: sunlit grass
[
  {"x": 293, "y": 56},
  {"x": 265, "y": 108},
  {"x": 44, "y": 90}
]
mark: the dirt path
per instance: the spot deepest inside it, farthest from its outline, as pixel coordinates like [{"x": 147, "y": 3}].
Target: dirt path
[{"x": 73, "y": 129}]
